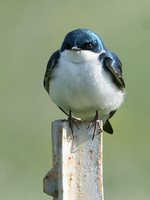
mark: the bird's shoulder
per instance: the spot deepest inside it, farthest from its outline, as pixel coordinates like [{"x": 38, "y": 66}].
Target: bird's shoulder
[
  {"x": 49, "y": 69},
  {"x": 112, "y": 64}
]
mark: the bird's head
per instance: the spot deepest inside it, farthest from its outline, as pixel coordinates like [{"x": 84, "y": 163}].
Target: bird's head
[{"x": 81, "y": 44}]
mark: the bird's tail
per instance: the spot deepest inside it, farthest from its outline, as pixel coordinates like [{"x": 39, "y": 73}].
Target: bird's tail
[{"x": 107, "y": 127}]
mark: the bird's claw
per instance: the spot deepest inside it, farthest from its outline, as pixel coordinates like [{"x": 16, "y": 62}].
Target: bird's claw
[
  {"x": 98, "y": 125},
  {"x": 72, "y": 121}
]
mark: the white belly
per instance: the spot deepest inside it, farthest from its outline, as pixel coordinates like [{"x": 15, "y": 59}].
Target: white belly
[{"x": 84, "y": 88}]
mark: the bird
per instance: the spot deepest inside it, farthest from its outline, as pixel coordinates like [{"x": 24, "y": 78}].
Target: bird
[{"x": 84, "y": 79}]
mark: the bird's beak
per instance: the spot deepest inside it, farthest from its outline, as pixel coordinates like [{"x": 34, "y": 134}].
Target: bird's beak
[{"x": 75, "y": 49}]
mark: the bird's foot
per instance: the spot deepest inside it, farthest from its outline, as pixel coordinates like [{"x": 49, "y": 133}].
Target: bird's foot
[
  {"x": 98, "y": 125},
  {"x": 72, "y": 121}
]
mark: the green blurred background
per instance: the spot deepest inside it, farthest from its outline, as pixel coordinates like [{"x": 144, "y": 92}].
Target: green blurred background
[{"x": 29, "y": 32}]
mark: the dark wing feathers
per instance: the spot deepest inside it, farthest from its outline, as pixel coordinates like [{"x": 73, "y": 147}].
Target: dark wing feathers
[
  {"x": 112, "y": 64},
  {"x": 50, "y": 66}
]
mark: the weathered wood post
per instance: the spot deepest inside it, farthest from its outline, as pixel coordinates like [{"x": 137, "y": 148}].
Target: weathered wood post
[{"x": 77, "y": 172}]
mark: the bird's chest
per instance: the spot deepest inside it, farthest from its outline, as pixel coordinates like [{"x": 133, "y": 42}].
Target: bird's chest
[
  {"x": 79, "y": 79},
  {"x": 81, "y": 86},
  {"x": 75, "y": 81}
]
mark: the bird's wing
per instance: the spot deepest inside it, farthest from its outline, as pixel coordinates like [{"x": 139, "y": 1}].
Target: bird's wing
[
  {"x": 112, "y": 64},
  {"x": 50, "y": 66}
]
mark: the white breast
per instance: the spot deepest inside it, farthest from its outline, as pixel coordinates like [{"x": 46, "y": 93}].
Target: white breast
[{"x": 83, "y": 86}]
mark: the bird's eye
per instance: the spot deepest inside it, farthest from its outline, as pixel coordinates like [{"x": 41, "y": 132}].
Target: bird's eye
[
  {"x": 67, "y": 46},
  {"x": 87, "y": 46}
]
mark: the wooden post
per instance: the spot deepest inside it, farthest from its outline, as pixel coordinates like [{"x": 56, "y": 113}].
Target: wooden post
[{"x": 77, "y": 172}]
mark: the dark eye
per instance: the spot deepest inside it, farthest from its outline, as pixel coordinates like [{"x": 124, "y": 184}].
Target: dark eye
[
  {"x": 67, "y": 46},
  {"x": 87, "y": 46}
]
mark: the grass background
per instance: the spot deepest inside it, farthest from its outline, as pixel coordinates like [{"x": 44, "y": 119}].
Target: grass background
[{"x": 29, "y": 32}]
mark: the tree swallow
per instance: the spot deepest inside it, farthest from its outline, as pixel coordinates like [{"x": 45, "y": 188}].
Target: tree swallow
[{"x": 84, "y": 79}]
